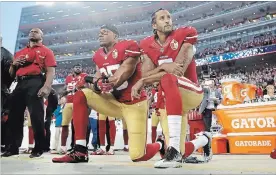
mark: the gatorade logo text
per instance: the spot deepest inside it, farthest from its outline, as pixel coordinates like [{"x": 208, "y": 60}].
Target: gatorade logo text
[
  {"x": 267, "y": 122},
  {"x": 253, "y": 143}
]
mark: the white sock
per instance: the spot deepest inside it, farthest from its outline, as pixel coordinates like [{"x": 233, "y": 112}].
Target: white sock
[
  {"x": 126, "y": 146},
  {"x": 31, "y": 145},
  {"x": 199, "y": 142},
  {"x": 81, "y": 142},
  {"x": 174, "y": 122}
]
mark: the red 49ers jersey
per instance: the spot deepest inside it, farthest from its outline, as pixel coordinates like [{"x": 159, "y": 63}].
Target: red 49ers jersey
[
  {"x": 109, "y": 62},
  {"x": 170, "y": 49},
  {"x": 71, "y": 82}
]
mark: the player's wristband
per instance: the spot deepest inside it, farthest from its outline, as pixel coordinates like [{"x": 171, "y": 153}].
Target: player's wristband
[{"x": 88, "y": 79}]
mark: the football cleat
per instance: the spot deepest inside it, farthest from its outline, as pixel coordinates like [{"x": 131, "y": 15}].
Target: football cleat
[
  {"x": 78, "y": 155},
  {"x": 110, "y": 152},
  {"x": 27, "y": 151},
  {"x": 193, "y": 160},
  {"x": 273, "y": 154},
  {"x": 98, "y": 152},
  {"x": 172, "y": 159}
]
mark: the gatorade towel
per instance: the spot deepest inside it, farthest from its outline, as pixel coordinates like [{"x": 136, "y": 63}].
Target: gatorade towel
[{"x": 231, "y": 91}]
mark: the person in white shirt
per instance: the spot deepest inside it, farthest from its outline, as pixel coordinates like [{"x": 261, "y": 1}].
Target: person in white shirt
[
  {"x": 270, "y": 91},
  {"x": 93, "y": 121}
]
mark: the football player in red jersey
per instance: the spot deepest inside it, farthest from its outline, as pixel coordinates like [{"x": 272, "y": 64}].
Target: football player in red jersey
[
  {"x": 70, "y": 88},
  {"x": 118, "y": 69},
  {"x": 168, "y": 59}
]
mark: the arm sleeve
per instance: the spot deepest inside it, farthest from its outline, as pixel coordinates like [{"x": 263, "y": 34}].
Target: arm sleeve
[
  {"x": 191, "y": 35},
  {"x": 132, "y": 50}
]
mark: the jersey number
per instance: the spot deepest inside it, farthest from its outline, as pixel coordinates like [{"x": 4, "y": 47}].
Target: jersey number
[{"x": 110, "y": 70}]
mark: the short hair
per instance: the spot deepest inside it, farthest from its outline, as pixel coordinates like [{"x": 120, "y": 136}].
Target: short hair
[
  {"x": 153, "y": 17},
  {"x": 111, "y": 28},
  {"x": 77, "y": 65}
]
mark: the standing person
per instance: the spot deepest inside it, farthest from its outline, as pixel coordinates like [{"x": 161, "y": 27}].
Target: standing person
[
  {"x": 125, "y": 135},
  {"x": 93, "y": 120},
  {"x": 69, "y": 90},
  {"x": 51, "y": 107},
  {"x": 6, "y": 82},
  {"x": 107, "y": 129},
  {"x": 58, "y": 116},
  {"x": 209, "y": 103},
  {"x": 28, "y": 66}
]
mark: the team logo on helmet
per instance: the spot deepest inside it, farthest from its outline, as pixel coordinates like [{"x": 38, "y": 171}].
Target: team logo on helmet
[
  {"x": 115, "y": 54},
  {"x": 174, "y": 44}
]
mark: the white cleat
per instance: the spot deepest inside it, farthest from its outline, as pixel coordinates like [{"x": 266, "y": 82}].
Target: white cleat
[{"x": 172, "y": 159}]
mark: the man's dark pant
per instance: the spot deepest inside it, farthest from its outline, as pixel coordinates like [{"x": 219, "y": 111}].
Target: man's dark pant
[
  {"x": 207, "y": 118},
  {"x": 25, "y": 95},
  {"x": 47, "y": 125}
]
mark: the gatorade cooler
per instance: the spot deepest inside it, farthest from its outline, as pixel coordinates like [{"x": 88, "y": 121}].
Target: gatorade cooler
[{"x": 231, "y": 91}]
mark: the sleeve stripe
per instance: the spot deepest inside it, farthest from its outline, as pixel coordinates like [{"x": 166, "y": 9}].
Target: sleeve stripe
[
  {"x": 192, "y": 37},
  {"x": 130, "y": 51}
]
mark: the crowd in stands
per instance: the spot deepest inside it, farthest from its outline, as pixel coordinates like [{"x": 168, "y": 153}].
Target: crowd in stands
[
  {"x": 238, "y": 45},
  {"x": 258, "y": 75},
  {"x": 143, "y": 17},
  {"x": 229, "y": 46}
]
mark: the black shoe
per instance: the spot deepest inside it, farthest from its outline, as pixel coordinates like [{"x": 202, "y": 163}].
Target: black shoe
[
  {"x": 192, "y": 159},
  {"x": 3, "y": 148},
  {"x": 10, "y": 153},
  {"x": 36, "y": 155},
  {"x": 172, "y": 159}
]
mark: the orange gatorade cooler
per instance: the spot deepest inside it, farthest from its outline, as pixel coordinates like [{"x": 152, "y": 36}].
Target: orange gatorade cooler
[
  {"x": 248, "y": 92},
  {"x": 231, "y": 91}
]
